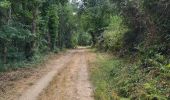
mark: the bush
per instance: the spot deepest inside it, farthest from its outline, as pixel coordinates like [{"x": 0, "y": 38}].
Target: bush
[
  {"x": 84, "y": 39},
  {"x": 114, "y": 34},
  {"x": 125, "y": 80}
]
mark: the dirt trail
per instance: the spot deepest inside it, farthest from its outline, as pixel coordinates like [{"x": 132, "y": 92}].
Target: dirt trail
[{"x": 67, "y": 80}]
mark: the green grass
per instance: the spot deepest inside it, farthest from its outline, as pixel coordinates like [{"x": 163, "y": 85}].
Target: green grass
[
  {"x": 100, "y": 75},
  {"x": 117, "y": 79}
]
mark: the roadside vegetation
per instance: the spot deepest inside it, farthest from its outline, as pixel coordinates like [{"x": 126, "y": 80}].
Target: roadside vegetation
[
  {"x": 135, "y": 30},
  {"x": 115, "y": 78}
]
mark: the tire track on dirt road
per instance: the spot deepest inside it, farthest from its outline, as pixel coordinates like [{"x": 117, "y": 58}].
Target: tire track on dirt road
[
  {"x": 33, "y": 92},
  {"x": 72, "y": 83}
]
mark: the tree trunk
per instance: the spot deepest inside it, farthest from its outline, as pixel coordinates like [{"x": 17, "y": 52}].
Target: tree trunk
[
  {"x": 30, "y": 46},
  {"x": 5, "y": 54},
  {"x": 49, "y": 40},
  {"x": 33, "y": 30},
  {"x": 34, "y": 14},
  {"x": 151, "y": 27},
  {"x": 5, "y": 49}
]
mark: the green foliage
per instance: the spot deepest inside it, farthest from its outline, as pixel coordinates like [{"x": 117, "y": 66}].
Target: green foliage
[
  {"x": 139, "y": 23},
  {"x": 12, "y": 36},
  {"x": 74, "y": 40},
  {"x": 34, "y": 27},
  {"x": 5, "y": 4},
  {"x": 98, "y": 18},
  {"x": 67, "y": 26},
  {"x": 84, "y": 39},
  {"x": 114, "y": 34},
  {"x": 10, "y": 32},
  {"x": 53, "y": 25},
  {"x": 133, "y": 28},
  {"x": 116, "y": 78},
  {"x": 37, "y": 59},
  {"x": 100, "y": 76}
]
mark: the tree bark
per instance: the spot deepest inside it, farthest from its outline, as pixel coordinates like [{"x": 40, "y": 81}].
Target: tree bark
[
  {"x": 5, "y": 49},
  {"x": 34, "y": 28},
  {"x": 5, "y": 54},
  {"x": 34, "y": 14},
  {"x": 30, "y": 46},
  {"x": 151, "y": 27}
]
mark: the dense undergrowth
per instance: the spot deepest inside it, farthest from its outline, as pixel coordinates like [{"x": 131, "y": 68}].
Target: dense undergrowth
[
  {"x": 137, "y": 32},
  {"x": 119, "y": 79},
  {"x": 31, "y": 29},
  {"x": 24, "y": 63}
]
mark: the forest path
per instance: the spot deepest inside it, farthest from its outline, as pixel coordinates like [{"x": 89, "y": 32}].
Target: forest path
[{"x": 68, "y": 79}]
